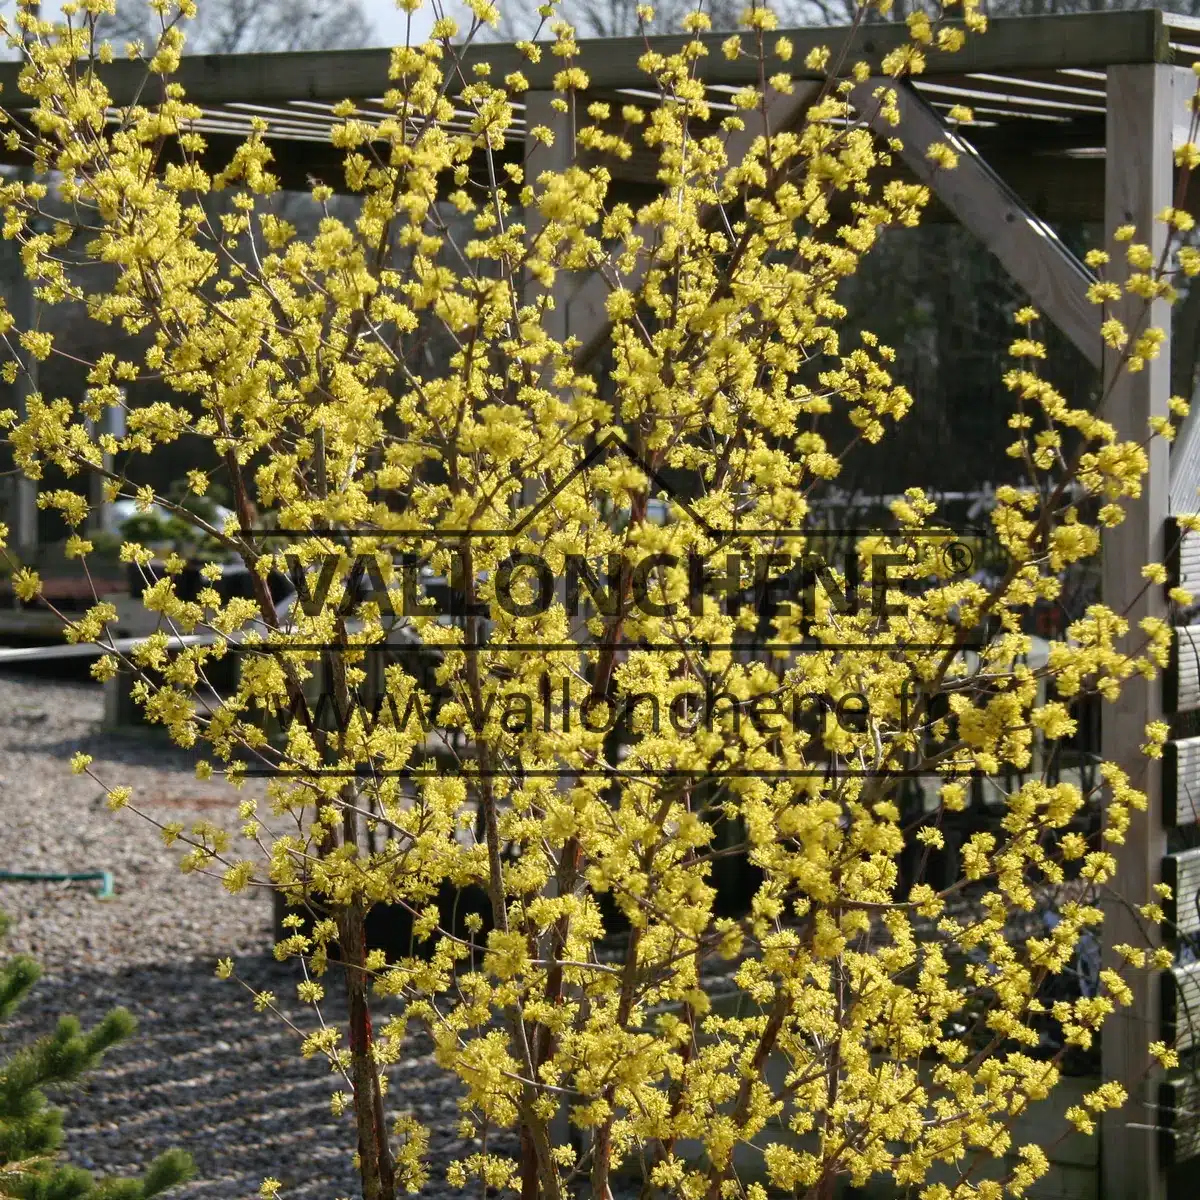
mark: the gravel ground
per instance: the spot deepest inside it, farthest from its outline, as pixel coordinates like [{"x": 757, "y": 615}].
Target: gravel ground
[{"x": 204, "y": 1072}]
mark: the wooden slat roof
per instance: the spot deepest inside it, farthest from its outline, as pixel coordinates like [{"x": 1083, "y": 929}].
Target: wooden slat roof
[{"x": 1036, "y": 86}]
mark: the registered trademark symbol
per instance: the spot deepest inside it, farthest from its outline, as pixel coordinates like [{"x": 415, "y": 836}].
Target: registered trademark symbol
[{"x": 958, "y": 557}]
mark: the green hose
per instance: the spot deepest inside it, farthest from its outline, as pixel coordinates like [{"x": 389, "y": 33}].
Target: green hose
[{"x": 104, "y": 877}]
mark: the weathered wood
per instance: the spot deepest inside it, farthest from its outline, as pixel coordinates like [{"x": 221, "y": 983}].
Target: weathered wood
[
  {"x": 1185, "y": 91},
  {"x": 1181, "y": 1007},
  {"x": 1185, "y": 462},
  {"x": 1181, "y": 679},
  {"x": 1056, "y": 188},
  {"x": 1031, "y": 82},
  {"x": 1029, "y": 250},
  {"x": 587, "y": 316},
  {"x": 1181, "y": 783},
  {"x": 1002, "y": 98},
  {"x": 1012, "y": 43},
  {"x": 1140, "y": 167},
  {"x": 1183, "y": 555},
  {"x": 1024, "y": 152},
  {"x": 1179, "y": 1120},
  {"x": 1185, "y": 453},
  {"x": 1181, "y": 873}
]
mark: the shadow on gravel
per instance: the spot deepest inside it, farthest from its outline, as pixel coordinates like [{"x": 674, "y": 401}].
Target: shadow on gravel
[
  {"x": 208, "y": 1074},
  {"x": 27, "y": 714},
  {"x": 144, "y": 748}
]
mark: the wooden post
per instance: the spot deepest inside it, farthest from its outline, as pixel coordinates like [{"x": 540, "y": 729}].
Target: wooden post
[
  {"x": 1139, "y": 178},
  {"x": 120, "y": 708},
  {"x": 112, "y": 421}
]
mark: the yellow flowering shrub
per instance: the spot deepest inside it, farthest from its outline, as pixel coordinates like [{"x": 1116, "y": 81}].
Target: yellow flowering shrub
[{"x": 878, "y": 1028}]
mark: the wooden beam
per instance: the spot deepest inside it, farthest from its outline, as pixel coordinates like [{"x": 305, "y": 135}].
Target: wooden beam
[
  {"x": 1138, "y": 186},
  {"x": 1055, "y": 188},
  {"x": 1030, "y": 251},
  {"x": 587, "y": 316},
  {"x": 1052, "y": 185},
  {"x": 1011, "y": 44}
]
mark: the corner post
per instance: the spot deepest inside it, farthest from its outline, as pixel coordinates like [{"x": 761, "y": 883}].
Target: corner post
[{"x": 1138, "y": 185}]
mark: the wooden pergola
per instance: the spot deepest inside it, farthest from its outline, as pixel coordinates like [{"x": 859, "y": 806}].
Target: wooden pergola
[
  {"x": 1041, "y": 89},
  {"x": 1075, "y": 119}
]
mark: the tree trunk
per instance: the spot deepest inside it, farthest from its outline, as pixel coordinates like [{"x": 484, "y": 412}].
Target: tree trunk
[{"x": 375, "y": 1162}]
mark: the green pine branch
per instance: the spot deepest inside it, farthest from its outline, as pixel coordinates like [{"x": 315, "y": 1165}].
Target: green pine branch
[{"x": 31, "y": 1132}]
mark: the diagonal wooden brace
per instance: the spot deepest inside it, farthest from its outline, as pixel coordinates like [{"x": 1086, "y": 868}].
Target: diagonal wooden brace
[{"x": 1029, "y": 250}]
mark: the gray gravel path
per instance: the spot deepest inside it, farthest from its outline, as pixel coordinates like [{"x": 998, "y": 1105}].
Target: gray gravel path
[{"x": 204, "y": 1072}]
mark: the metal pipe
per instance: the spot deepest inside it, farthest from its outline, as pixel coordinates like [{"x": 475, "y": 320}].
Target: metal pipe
[{"x": 104, "y": 878}]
